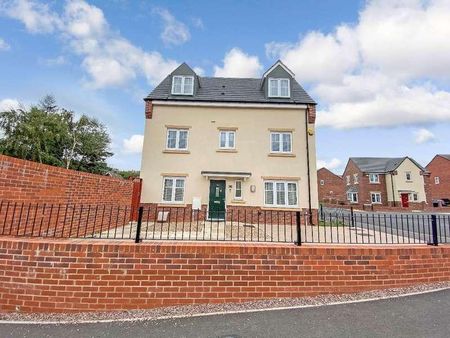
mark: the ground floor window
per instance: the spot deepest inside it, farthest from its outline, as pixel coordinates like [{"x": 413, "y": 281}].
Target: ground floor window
[
  {"x": 375, "y": 197},
  {"x": 280, "y": 193},
  {"x": 413, "y": 197},
  {"x": 352, "y": 197},
  {"x": 173, "y": 189},
  {"x": 238, "y": 190}
]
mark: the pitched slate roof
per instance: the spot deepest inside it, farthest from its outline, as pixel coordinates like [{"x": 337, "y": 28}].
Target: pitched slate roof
[
  {"x": 380, "y": 164},
  {"x": 220, "y": 89},
  {"x": 446, "y": 156}
]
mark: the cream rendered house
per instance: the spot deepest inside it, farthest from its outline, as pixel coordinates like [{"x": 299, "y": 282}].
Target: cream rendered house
[{"x": 220, "y": 143}]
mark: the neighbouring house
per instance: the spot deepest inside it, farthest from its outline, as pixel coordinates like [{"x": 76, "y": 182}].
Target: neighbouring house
[
  {"x": 230, "y": 143},
  {"x": 330, "y": 187},
  {"x": 439, "y": 183},
  {"x": 394, "y": 182}
]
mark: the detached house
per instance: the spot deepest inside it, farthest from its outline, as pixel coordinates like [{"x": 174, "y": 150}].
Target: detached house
[
  {"x": 397, "y": 182},
  {"x": 330, "y": 186},
  {"x": 439, "y": 186},
  {"x": 220, "y": 143}
]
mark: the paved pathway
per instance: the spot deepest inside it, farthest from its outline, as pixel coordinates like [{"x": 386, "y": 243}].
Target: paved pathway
[{"x": 425, "y": 315}]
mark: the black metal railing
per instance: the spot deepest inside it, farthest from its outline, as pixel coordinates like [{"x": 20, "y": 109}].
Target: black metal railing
[
  {"x": 151, "y": 222},
  {"x": 355, "y": 227}
]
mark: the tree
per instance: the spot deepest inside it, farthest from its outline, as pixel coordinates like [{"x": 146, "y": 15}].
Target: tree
[{"x": 52, "y": 135}]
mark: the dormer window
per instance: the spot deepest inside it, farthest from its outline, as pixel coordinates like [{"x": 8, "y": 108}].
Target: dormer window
[
  {"x": 183, "y": 85},
  {"x": 279, "y": 88}
]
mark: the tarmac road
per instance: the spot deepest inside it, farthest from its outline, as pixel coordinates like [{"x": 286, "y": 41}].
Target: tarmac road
[{"x": 425, "y": 315}]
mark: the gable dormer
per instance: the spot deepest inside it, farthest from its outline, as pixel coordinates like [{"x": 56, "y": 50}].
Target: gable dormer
[
  {"x": 184, "y": 81},
  {"x": 277, "y": 81}
]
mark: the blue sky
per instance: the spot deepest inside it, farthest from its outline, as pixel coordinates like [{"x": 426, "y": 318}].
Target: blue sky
[{"x": 380, "y": 70}]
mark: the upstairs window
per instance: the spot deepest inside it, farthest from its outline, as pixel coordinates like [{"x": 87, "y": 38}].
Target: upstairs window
[
  {"x": 177, "y": 139},
  {"x": 183, "y": 85},
  {"x": 226, "y": 139},
  {"x": 408, "y": 176},
  {"x": 279, "y": 88},
  {"x": 436, "y": 180},
  {"x": 281, "y": 142},
  {"x": 374, "y": 178},
  {"x": 347, "y": 178},
  {"x": 355, "y": 178}
]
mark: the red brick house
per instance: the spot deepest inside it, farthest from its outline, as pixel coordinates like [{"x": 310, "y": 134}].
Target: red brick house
[
  {"x": 330, "y": 187},
  {"x": 439, "y": 186},
  {"x": 392, "y": 182}
]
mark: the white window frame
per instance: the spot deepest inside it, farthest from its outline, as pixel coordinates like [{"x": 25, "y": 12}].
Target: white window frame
[
  {"x": 286, "y": 196},
  {"x": 350, "y": 197},
  {"x": 177, "y": 138},
  {"x": 322, "y": 182},
  {"x": 174, "y": 180},
  {"x": 227, "y": 139},
  {"x": 413, "y": 197},
  {"x": 437, "y": 180},
  {"x": 372, "y": 181},
  {"x": 410, "y": 176},
  {"x": 347, "y": 179},
  {"x": 278, "y": 80},
  {"x": 236, "y": 189},
  {"x": 281, "y": 133},
  {"x": 183, "y": 79},
  {"x": 377, "y": 200},
  {"x": 355, "y": 179}
]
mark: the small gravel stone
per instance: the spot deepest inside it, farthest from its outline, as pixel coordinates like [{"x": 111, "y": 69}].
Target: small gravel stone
[{"x": 189, "y": 310}]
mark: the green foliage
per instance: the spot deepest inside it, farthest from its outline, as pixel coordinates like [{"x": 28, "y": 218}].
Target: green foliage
[
  {"x": 52, "y": 135},
  {"x": 126, "y": 174}
]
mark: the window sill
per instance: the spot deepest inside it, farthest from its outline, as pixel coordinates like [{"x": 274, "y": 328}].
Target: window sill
[
  {"x": 168, "y": 151},
  {"x": 226, "y": 151},
  {"x": 281, "y": 155},
  {"x": 374, "y": 182},
  {"x": 171, "y": 205},
  {"x": 237, "y": 202},
  {"x": 280, "y": 208}
]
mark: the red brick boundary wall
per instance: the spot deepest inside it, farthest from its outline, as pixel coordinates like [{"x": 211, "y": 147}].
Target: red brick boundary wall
[
  {"x": 55, "y": 276},
  {"x": 32, "y": 182}
]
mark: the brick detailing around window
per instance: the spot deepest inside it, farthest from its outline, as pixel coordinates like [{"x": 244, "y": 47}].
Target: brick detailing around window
[
  {"x": 69, "y": 276},
  {"x": 148, "y": 109}
]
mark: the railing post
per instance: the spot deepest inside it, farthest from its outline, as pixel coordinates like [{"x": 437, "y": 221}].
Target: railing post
[
  {"x": 321, "y": 212},
  {"x": 352, "y": 217},
  {"x": 139, "y": 223},
  {"x": 299, "y": 233},
  {"x": 434, "y": 231}
]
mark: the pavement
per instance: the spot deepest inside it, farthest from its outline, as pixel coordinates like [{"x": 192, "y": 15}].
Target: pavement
[{"x": 424, "y": 315}]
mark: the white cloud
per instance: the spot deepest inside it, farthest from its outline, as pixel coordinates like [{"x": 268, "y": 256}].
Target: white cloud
[
  {"x": 174, "y": 32},
  {"x": 236, "y": 63},
  {"x": 424, "y": 136},
  {"x": 108, "y": 58},
  {"x": 199, "y": 71},
  {"x": 332, "y": 164},
  {"x": 4, "y": 45},
  {"x": 36, "y": 16},
  {"x": 9, "y": 104},
  {"x": 380, "y": 71},
  {"x": 133, "y": 144},
  {"x": 56, "y": 61}
]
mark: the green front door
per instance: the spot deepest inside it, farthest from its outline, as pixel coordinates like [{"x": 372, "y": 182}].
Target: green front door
[{"x": 216, "y": 200}]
